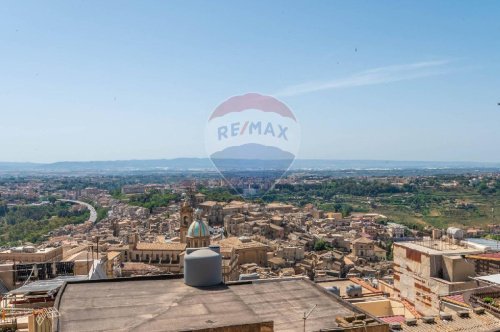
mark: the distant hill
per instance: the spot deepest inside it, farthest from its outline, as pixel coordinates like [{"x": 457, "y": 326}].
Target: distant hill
[
  {"x": 204, "y": 164},
  {"x": 253, "y": 152}
]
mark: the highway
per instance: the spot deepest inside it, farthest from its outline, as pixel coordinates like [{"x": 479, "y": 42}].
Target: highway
[{"x": 93, "y": 212}]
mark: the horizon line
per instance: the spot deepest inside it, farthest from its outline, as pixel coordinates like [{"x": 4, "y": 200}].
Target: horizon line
[{"x": 207, "y": 158}]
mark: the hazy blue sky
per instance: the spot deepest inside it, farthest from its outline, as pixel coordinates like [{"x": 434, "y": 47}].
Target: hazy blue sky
[{"x": 105, "y": 80}]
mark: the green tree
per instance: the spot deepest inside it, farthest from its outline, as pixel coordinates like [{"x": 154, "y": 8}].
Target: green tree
[
  {"x": 3, "y": 209},
  {"x": 320, "y": 245}
]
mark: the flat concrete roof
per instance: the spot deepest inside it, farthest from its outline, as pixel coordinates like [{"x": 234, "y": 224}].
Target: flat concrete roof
[
  {"x": 160, "y": 304},
  {"x": 36, "y": 251},
  {"x": 438, "y": 247},
  {"x": 492, "y": 278}
]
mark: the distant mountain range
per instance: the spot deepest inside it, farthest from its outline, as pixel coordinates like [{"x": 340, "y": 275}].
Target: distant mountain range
[
  {"x": 253, "y": 151},
  {"x": 205, "y": 164}
]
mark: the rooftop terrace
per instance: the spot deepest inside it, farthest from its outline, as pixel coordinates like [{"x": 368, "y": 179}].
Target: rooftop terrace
[{"x": 154, "y": 304}]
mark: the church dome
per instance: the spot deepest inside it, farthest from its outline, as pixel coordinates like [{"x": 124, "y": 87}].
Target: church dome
[{"x": 198, "y": 229}]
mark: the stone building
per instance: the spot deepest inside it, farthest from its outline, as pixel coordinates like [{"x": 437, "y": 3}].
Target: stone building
[
  {"x": 248, "y": 251},
  {"x": 216, "y": 215},
  {"x": 363, "y": 248},
  {"x": 168, "y": 255},
  {"x": 229, "y": 264},
  {"x": 186, "y": 218},
  {"x": 29, "y": 254},
  {"x": 199, "y": 198}
]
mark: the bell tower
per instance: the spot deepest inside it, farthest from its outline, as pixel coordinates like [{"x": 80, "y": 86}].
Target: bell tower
[{"x": 186, "y": 220}]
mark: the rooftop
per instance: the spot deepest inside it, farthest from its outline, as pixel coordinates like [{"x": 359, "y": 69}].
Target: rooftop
[
  {"x": 28, "y": 250},
  {"x": 487, "y": 256},
  {"x": 174, "y": 246},
  {"x": 493, "y": 278},
  {"x": 167, "y": 304},
  {"x": 362, "y": 240},
  {"x": 342, "y": 284},
  {"x": 486, "y": 243},
  {"x": 484, "y": 322},
  {"x": 234, "y": 242},
  {"x": 438, "y": 247}
]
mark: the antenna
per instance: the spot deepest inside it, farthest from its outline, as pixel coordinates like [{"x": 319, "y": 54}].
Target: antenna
[{"x": 307, "y": 314}]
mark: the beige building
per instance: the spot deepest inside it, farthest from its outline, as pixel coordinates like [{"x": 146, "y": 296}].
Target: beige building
[
  {"x": 30, "y": 254},
  {"x": 166, "y": 255},
  {"x": 229, "y": 264},
  {"x": 425, "y": 271},
  {"x": 248, "y": 251},
  {"x": 363, "y": 248},
  {"x": 396, "y": 230},
  {"x": 213, "y": 212},
  {"x": 334, "y": 215},
  {"x": 279, "y": 207},
  {"x": 114, "y": 259},
  {"x": 186, "y": 218},
  {"x": 291, "y": 253}
]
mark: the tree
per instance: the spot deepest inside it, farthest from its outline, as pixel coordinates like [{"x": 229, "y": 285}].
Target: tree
[
  {"x": 320, "y": 245},
  {"x": 346, "y": 210},
  {"x": 389, "y": 249},
  {"x": 3, "y": 209}
]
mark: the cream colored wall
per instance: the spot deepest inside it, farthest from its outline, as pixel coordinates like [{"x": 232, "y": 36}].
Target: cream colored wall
[
  {"x": 252, "y": 255},
  {"x": 82, "y": 267},
  {"x": 386, "y": 288},
  {"x": 381, "y": 308},
  {"x": 458, "y": 269},
  {"x": 380, "y": 254},
  {"x": 366, "y": 249},
  {"x": 377, "y": 308},
  {"x": 164, "y": 255},
  {"x": 37, "y": 257}
]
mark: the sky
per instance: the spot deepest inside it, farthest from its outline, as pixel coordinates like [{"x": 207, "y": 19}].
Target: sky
[{"x": 381, "y": 80}]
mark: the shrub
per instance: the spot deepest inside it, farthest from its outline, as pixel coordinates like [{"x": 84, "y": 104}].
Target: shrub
[{"x": 488, "y": 300}]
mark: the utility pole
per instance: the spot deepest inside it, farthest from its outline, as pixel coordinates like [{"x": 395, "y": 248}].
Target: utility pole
[{"x": 307, "y": 314}]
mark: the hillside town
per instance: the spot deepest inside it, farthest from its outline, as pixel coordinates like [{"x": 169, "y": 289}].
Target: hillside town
[
  {"x": 249, "y": 166},
  {"x": 395, "y": 277}
]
